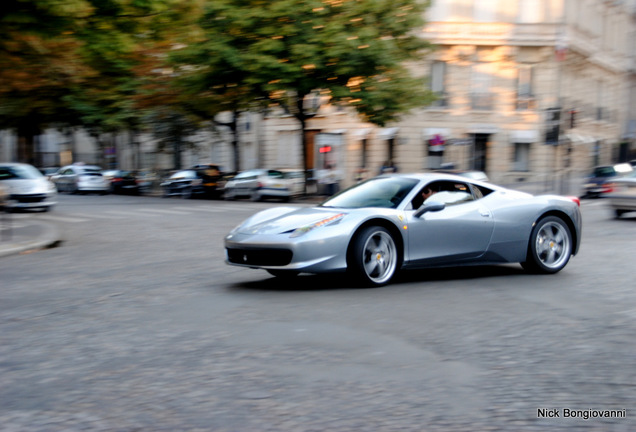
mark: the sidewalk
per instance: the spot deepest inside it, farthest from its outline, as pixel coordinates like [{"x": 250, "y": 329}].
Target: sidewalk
[{"x": 25, "y": 236}]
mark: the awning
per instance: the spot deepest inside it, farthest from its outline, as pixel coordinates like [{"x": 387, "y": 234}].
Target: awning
[
  {"x": 335, "y": 131},
  {"x": 579, "y": 139},
  {"x": 429, "y": 133},
  {"x": 361, "y": 133},
  {"x": 524, "y": 136},
  {"x": 480, "y": 128},
  {"x": 388, "y": 133}
]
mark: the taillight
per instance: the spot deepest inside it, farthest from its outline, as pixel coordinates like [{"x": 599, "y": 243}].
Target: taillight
[
  {"x": 608, "y": 187},
  {"x": 576, "y": 200}
]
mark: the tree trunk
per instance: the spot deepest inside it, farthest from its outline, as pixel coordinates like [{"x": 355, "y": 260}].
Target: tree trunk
[
  {"x": 26, "y": 144},
  {"x": 235, "y": 141}
]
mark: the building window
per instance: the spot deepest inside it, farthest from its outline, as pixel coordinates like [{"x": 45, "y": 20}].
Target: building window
[
  {"x": 461, "y": 10},
  {"x": 525, "y": 92},
  {"x": 521, "y": 160},
  {"x": 438, "y": 84},
  {"x": 485, "y": 11},
  {"x": 531, "y": 11},
  {"x": 482, "y": 97}
]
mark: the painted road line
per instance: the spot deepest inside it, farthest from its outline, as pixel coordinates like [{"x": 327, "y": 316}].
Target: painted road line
[{"x": 61, "y": 218}]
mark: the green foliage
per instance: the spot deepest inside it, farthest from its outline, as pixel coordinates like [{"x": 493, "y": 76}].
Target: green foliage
[
  {"x": 73, "y": 62},
  {"x": 354, "y": 50}
]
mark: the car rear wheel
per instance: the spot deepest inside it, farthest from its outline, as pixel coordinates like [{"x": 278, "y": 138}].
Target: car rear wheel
[
  {"x": 373, "y": 257},
  {"x": 550, "y": 246}
]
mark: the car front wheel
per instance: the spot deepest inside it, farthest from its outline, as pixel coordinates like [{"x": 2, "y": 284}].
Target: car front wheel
[
  {"x": 374, "y": 257},
  {"x": 550, "y": 246}
]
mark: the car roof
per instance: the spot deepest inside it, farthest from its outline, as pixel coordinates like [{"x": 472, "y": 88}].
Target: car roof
[{"x": 14, "y": 164}]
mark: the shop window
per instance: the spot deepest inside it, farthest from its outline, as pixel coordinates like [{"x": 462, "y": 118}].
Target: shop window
[{"x": 521, "y": 160}]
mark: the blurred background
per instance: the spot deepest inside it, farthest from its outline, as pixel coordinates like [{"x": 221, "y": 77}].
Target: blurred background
[{"x": 524, "y": 91}]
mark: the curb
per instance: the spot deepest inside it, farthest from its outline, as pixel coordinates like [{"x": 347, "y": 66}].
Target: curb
[{"x": 39, "y": 236}]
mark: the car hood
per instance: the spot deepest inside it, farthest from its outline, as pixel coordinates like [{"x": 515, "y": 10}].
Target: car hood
[
  {"x": 283, "y": 219},
  {"x": 28, "y": 186}
]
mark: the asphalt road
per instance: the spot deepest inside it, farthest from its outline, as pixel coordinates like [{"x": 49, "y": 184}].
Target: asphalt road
[{"x": 134, "y": 323}]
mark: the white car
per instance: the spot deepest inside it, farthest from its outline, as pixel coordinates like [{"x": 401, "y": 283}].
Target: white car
[
  {"x": 259, "y": 184},
  {"x": 26, "y": 187},
  {"x": 622, "y": 198},
  {"x": 80, "y": 178}
]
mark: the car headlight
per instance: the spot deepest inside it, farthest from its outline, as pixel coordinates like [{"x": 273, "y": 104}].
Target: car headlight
[{"x": 328, "y": 221}]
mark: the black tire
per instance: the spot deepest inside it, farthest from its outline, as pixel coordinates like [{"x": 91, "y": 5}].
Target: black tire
[
  {"x": 373, "y": 258},
  {"x": 550, "y": 246}
]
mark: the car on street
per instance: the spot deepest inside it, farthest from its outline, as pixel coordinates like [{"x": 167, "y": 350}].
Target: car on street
[
  {"x": 81, "y": 178},
  {"x": 295, "y": 180},
  {"x": 601, "y": 180},
  {"x": 146, "y": 180},
  {"x": 380, "y": 226},
  {"x": 259, "y": 184},
  {"x": 26, "y": 187},
  {"x": 122, "y": 182},
  {"x": 49, "y": 172},
  {"x": 203, "y": 180},
  {"x": 622, "y": 198}
]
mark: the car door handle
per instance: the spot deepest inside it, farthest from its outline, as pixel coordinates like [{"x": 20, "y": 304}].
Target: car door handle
[{"x": 484, "y": 213}]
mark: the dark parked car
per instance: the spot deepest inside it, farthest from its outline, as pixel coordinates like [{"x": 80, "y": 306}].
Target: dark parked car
[
  {"x": 122, "y": 182},
  {"x": 601, "y": 179},
  {"x": 200, "y": 180}
]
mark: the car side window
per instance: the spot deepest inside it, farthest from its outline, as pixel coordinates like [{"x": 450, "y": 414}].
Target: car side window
[
  {"x": 447, "y": 192},
  {"x": 6, "y": 174}
]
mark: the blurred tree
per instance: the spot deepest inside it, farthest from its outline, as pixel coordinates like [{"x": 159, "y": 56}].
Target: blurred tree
[
  {"x": 353, "y": 52},
  {"x": 72, "y": 63},
  {"x": 39, "y": 62}
]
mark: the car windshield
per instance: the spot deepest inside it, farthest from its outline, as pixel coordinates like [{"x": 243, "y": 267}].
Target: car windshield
[
  {"x": 604, "y": 171},
  {"x": 384, "y": 192},
  {"x": 23, "y": 172}
]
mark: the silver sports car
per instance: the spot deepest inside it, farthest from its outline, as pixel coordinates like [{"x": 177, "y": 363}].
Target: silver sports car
[{"x": 399, "y": 221}]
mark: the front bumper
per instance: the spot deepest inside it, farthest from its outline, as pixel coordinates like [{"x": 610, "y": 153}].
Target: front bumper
[
  {"x": 313, "y": 254},
  {"x": 30, "y": 201}
]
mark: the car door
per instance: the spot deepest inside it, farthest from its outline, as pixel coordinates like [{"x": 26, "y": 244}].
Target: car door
[
  {"x": 460, "y": 232},
  {"x": 65, "y": 179}
]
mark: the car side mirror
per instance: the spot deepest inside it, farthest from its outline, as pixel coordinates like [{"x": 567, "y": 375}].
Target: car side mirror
[{"x": 433, "y": 206}]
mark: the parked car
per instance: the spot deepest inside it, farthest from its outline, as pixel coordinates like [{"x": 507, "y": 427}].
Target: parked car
[
  {"x": 49, "y": 172},
  {"x": 258, "y": 184},
  {"x": 622, "y": 199},
  {"x": 200, "y": 180},
  {"x": 26, "y": 187},
  {"x": 80, "y": 178},
  {"x": 146, "y": 180},
  {"x": 295, "y": 179},
  {"x": 383, "y": 225},
  {"x": 122, "y": 182},
  {"x": 601, "y": 179}
]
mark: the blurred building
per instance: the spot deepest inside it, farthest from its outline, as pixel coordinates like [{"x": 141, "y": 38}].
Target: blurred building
[{"x": 527, "y": 90}]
